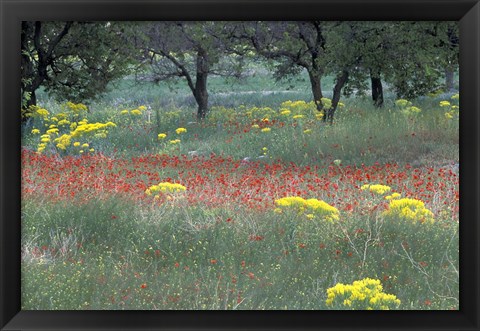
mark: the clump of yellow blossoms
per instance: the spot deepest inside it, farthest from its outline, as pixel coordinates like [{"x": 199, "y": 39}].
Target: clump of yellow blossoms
[
  {"x": 67, "y": 128},
  {"x": 403, "y": 103},
  {"x": 76, "y": 108},
  {"x": 411, "y": 210},
  {"x": 314, "y": 207},
  {"x": 259, "y": 112},
  {"x": 407, "y": 108},
  {"x": 180, "y": 130},
  {"x": 165, "y": 187},
  {"x": 365, "y": 294},
  {"x": 266, "y": 130},
  {"x": 394, "y": 195},
  {"x": 452, "y": 108},
  {"x": 161, "y": 136},
  {"x": 376, "y": 188},
  {"x": 298, "y": 107}
]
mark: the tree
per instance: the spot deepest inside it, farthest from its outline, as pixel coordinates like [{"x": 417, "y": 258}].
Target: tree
[
  {"x": 409, "y": 56},
  {"x": 303, "y": 45},
  {"x": 293, "y": 45},
  {"x": 189, "y": 50},
  {"x": 71, "y": 60}
]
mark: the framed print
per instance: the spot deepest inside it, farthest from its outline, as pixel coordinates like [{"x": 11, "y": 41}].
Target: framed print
[{"x": 239, "y": 165}]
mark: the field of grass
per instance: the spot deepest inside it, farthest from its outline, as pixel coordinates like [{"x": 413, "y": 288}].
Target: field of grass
[{"x": 276, "y": 209}]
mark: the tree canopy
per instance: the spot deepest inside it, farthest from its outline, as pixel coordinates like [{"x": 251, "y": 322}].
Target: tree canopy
[
  {"x": 71, "y": 60},
  {"x": 77, "y": 60}
]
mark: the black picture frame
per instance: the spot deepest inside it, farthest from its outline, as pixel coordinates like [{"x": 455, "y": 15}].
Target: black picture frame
[{"x": 467, "y": 12}]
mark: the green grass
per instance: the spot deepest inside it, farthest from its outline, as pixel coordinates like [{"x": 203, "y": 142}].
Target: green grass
[{"x": 191, "y": 258}]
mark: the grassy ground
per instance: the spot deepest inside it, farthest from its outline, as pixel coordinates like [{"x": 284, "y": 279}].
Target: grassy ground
[{"x": 95, "y": 237}]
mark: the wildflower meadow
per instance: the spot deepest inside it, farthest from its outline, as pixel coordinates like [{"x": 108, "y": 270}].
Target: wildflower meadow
[{"x": 134, "y": 202}]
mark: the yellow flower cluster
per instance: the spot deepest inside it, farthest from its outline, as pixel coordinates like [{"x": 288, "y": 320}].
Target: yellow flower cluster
[
  {"x": 162, "y": 136},
  {"x": 314, "y": 207},
  {"x": 326, "y": 102},
  {"x": 298, "y": 107},
  {"x": 407, "y": 108},
  {"x": 136, "y": 112},
  {"x": 175, "y": 141},
  {"x": 394, "y": 195},
  {"x": 266, "y": 130},
  {"x": 453, "y": 109},
  {"x": 220, "y": 114},
  {"x": 260, "y": 112},
  {"x": 411, "y": 210},
  {"x": 64, "y": 130},
  {"x": 63, "y": 141},
  {"x": 76, "y": 108},
  {"x": 376, "y": 188},
  {"x": 402, "y": 103},
  {"x": 365, "y": 294},
  {"x": 42, "y": 112},
  {"x": 165, "y": 187},
  {"x": 180, "y": 130},
  {"x": 99, "y": 129}
]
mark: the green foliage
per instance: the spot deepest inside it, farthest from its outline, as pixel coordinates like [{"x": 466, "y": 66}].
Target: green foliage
[{"x": 73, "y": 60}]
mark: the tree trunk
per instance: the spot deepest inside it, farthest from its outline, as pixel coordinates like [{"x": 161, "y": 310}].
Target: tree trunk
[
  {"x": 315, "y": 82},
  {"x": 26, "y": 67},
  {"x": 377, "y": 89},
  {"x": 201, "y": 97},
  {"x": 200, "y": 92},
  {"x": 449, "y": 85},
  {"x": 337, "y": 89}
]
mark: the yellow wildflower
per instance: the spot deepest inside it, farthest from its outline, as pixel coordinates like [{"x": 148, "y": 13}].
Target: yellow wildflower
[
  {"x": 411, "y": 210},
  {"x": 376, "y": 188},
  {"x": 42, "y": 112},
  {"x": 361, "y": 294},
  {"x": 165, "y": 187}
]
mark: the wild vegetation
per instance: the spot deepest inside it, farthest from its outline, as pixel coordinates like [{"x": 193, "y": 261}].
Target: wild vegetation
[{"x": 263, "y": 195}]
